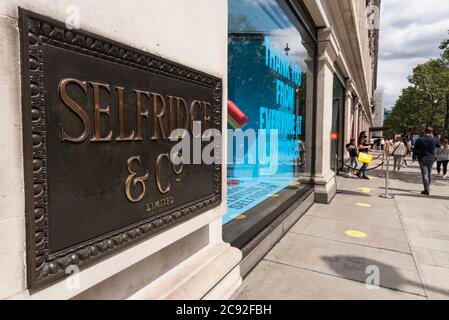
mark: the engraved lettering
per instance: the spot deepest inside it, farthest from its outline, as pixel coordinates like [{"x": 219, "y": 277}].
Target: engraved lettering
[
  {"x": 98, "y": 111},
  {"x": 157, "y": 120},
  {"x": 181, "y": 102},
  {"x": 121, "y": 117},
  {"x": 194, "y": 104},
  {"x": 158, "y": 204},
  {"x": 76, "y": 108},
  {"x": 139, "y": 113},
  {"x": 158, "y": 173},
  {"x": 133, "y": 180}
]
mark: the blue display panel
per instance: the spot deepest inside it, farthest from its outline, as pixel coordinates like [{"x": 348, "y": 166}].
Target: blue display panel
[{"x": 266, "y": 107}]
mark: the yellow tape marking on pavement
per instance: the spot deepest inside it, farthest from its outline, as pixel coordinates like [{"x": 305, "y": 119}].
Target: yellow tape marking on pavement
[
  {"x": 241, "y": 217},
  {"x": 356, "y": 234},
  {"x": 363, "y": 205},
  {"x": 366, "y": 190},
  {"x": 275, "y": 196}
]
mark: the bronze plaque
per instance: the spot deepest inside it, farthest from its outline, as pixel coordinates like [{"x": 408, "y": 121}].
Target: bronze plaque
[{"x": 97, "y": 116}]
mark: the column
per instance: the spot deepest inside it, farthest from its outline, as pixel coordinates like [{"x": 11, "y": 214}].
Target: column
[
  {"x": 360, "y": 119},
  {"x": 355, "y": 108},
  {"x": 347, "y": 115},
  {"x": 364, "y": 120},
  {"x": 324, "y": 177},
  {"x": 309, "y": 124}
]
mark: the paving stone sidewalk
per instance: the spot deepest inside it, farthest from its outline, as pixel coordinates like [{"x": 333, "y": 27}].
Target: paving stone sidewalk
[{"x": 334, "y": 250}]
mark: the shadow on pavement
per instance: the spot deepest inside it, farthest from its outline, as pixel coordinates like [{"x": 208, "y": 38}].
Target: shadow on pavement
[
  {"x": 412, "y": 165},
  {"x": 415, "y": 194},
  {"x": 373, "y": 273},
  {"x": 421, "y": 196},
  {"x": 415, "y": 178}
]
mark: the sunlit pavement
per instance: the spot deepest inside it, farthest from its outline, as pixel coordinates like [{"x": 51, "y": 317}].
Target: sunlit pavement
[{"x": 342, "y": 251}]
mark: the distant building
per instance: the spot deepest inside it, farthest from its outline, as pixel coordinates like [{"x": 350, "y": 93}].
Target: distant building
[{"x": 379, "y": 111}]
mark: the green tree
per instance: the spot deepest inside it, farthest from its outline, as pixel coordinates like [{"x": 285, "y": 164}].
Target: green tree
[
  {"x": 409, "y": 112},
  {"x": 445, "y": 47},
  {"x": 426, "y": 100},
  {"x": 431, "y": 80},
  {"x": 445, "y": 61}
]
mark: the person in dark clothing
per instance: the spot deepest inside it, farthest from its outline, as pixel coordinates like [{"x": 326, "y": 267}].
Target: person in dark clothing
[
  {"x": 351, "y": 147},
  {"x": 424, "y": 152}
]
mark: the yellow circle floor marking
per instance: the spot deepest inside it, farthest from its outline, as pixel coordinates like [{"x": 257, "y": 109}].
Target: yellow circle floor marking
[
  {"x": 295, "y": 184},
  {"x": 275, "y": 196},
  {"x": 363, "y": 205},
  {"x": 241, "y": 217},
  {"x": 356, "y": 234}
]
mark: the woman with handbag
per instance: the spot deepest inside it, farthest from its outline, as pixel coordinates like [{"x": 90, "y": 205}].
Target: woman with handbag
[{"x": 364, "y": 147}]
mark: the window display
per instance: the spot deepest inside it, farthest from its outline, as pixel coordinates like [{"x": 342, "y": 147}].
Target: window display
[{"x": 266, "y": 104}]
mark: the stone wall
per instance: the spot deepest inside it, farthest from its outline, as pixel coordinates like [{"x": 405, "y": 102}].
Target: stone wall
[{"x": 191, "y": 32}]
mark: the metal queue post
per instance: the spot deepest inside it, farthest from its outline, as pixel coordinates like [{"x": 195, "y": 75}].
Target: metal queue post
[
  {"x": 385, "y": 153},
  {"x": 381, "y": 175},
  {"x": 387, "y": 182}
]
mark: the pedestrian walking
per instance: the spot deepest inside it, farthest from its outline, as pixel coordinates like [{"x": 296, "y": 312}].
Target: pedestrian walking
[
  {"x": 442, "y": 155},
  {"x": 388, "y": 146},
  {"x": 408, "y": 151},
  {"x": 399, "y": 152},
  {"x": 424, "y": 152},
  {"x": 351, "y": 147},
  {"x": 382, "y": 144},
  {"x": 364, "y": 147}
]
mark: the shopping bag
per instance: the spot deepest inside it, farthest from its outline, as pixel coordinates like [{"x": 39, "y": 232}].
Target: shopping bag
[{"x": 365, "y": 158}]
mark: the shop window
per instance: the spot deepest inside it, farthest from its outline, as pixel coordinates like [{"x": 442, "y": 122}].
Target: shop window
[{"x": 266, "y": 104}]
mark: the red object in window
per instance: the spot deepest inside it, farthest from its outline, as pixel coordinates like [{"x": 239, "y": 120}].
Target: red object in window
[
  {"x": 334, "y": 136},
  {"x": 236, "y": 118}
]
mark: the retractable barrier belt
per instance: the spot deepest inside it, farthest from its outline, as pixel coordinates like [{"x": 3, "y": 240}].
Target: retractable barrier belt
[
  {"x": 369, "y": 169},
  {"x": 354, "y": 169}
]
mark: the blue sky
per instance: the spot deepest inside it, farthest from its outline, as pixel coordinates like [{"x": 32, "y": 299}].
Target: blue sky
[{"x": 411, "y": 32}]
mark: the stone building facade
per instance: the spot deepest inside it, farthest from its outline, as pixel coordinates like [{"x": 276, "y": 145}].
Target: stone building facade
[{"x": 205, "y": 256}]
